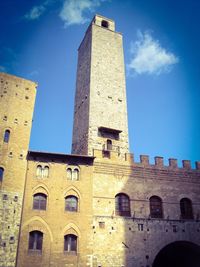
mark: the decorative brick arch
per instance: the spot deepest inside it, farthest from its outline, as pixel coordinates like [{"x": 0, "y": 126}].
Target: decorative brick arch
[
  {"x": 71, "y": 228},
  {"x": 72, "y": 190},
  {"x": 40, "y": 188},
  {"x": 33, "y": 225}
]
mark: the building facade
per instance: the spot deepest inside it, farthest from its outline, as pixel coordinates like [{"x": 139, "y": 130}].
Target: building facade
[{"x": 96, "y": 207}]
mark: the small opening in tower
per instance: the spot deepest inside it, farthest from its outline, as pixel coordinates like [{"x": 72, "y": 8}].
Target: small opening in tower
[
  {"x": 109, "y": 144},
  {"x": 104, "y": 24}
]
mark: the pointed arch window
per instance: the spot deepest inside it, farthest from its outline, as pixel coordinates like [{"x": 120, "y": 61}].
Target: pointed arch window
[
  {"x": 35, "y": 240},
  {"x": 122, "y": 205},
  {"x": 70, "y": 243},
  {"x": 71, "y": 203},
  {"x": 186, "y": 208},
  {"x": 6, "y": 136},
  {"x": 156, "y": 210},
  {"x": 1, "y": 174},
  {"x": 39, "y": 201}
]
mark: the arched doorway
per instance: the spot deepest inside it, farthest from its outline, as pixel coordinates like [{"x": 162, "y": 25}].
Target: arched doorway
[{"x": 178, "y": 254}]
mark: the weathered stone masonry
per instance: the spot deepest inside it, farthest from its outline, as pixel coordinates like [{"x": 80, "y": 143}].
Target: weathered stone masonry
[{"x": 96, "y": 207}]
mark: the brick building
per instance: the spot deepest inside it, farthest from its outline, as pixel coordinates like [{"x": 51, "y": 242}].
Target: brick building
[{"x": 95, "y": 207}]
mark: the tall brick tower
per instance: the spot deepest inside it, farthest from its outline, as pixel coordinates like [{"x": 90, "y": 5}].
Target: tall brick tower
[
  {"x": 100, "y": 113},
  {"x": 17, "y": 97}
]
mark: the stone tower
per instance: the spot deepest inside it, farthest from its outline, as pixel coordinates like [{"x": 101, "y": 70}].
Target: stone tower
[
  {"x": 17, "y": 97},
  {"x": 100, "y": 113}
]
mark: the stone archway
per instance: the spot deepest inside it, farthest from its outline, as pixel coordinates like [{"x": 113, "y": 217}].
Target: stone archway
[{"x": 178, "y": 254}]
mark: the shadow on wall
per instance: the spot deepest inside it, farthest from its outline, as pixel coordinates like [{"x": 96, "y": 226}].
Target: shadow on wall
[{"x": 160, "y": 216}]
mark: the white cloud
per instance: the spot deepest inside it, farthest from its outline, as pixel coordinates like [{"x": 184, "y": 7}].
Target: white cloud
[
  {"x": 72, "y": 10},
  {"x": 37, "y": 11},
  {"x": 149, "y": 57}
]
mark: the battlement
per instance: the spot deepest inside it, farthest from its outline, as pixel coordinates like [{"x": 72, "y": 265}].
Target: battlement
[
  {"x": 159, "y": 162},
  {"x": 115, "y": 155}
]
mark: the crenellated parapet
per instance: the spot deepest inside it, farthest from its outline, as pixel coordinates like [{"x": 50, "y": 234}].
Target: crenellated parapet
[
  {"x": 159, "y": 162},
  {"x": 145, "y": 160}
]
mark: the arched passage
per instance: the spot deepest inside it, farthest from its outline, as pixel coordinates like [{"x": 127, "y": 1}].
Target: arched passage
[{"x": 178, "y": 254}]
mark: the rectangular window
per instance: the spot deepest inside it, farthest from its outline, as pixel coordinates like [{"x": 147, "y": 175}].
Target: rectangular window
[{"x": 140, "y": 226}]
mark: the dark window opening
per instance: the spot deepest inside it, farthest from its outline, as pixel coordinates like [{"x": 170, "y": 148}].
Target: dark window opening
[
  {"x": 70, "y": 243},
  {"x": 35, "y": 240},
  {"x": 109, "y": 133},
  {"x": 140, "y": 227},
  {"x": 156, "y": 207},
  {"x": 109, "y": 144},
  {"x": 106, "y": 154},
  {"x": 122, "y": 205},
  {"x": 6, "y": 136},
  {"x": 71, "y": 203},
  {"x": 39, "y": 201},
  {"x": 186, "y": 208},
  {"x": 1, "y": 174},
  {"x": 104, "y": 24}
]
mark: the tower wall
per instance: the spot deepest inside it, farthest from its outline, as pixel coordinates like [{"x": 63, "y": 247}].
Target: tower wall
[
  {"x": 17, "y": 97},
  {"x": 100, "y": 78}
]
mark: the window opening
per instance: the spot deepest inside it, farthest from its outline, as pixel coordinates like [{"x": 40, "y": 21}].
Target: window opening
[
  {"x": 156, "y": 207},
  {"x": 71, "y": 203},
  {"x": 122, "y": 205},
  {"x": 39, "y": 201},
  {"x": 35, "y": 240},
  {"x": 6, "y": 136},
  {"x": 45, "y": 171},
  {"x": 69, "y": 174},
  {"x": 104, "y": 24},
  {"x": 1, "y": 174},
  {"x": 186, "y": 208},
  {"x": 39, "y": 170},
  {"x": 70, "y": 243},
  {"x": 75, "y": 175},
  {"x": 109, "y": 144}
]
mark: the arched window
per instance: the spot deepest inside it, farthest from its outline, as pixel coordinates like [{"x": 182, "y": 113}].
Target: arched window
[
  {"x": 39, "y": 170},
  {"x": 1, "y": 174},
  {"x": 35, "y": 240},
  {"x": 6, "y": 136},
  {"x": 69, "y": 174},
  {"x": 186, "y": 208},
  {"x": 109, "y": 144},
  {"x": 70, "y": 243},
  {"x": 39, "y": 201},
  {"x": 71, "y": 203},
  {"x": 75, "y": 175},
  {"x": 45, "y": 171},
  {"x": 104, "y": 24},
  {"x": 122, "y": 205},
  {"x": 156, "y": 207}
]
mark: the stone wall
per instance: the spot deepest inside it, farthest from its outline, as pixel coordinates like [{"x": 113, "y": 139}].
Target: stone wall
[
  {"x": 55, "y": 222},
  {"x": 100, "y": 90},
  {"x": 17, "y": 97},
  {"x": 136, "y": 240}
]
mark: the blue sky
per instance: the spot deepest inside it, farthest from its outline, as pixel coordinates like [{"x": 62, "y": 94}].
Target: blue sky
[{"x": 39, "y": 41}]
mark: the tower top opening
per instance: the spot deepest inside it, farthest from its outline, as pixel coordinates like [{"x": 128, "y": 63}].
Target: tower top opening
[{"x": 104, "y": 22}]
